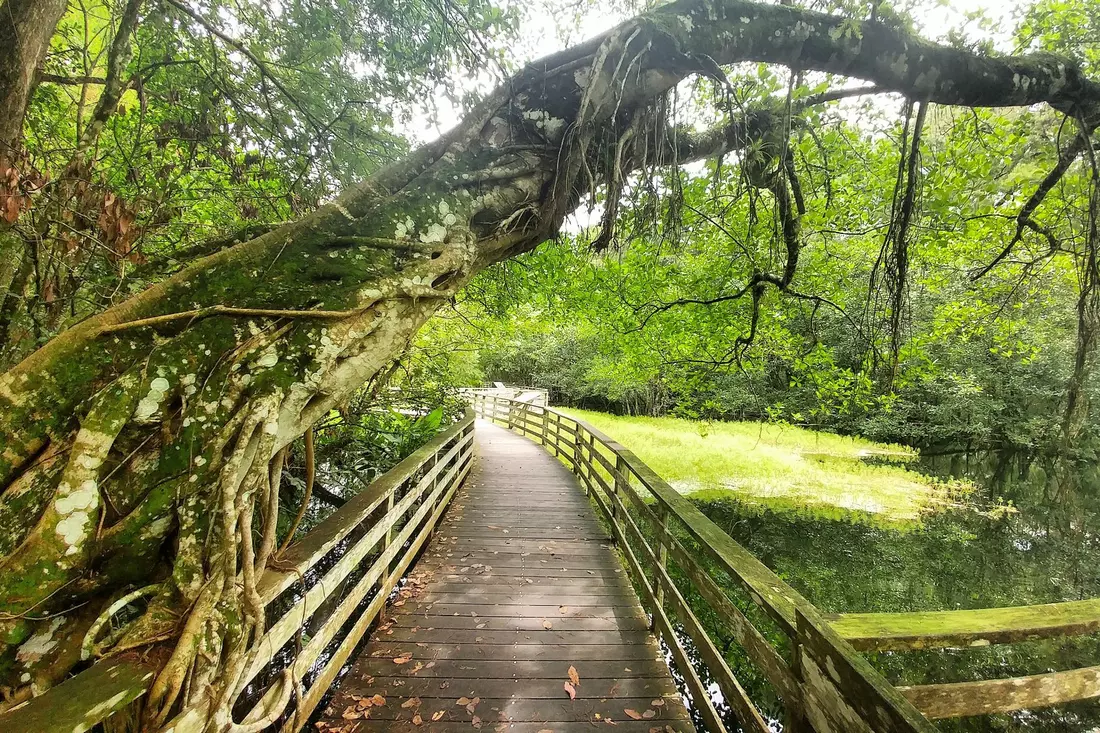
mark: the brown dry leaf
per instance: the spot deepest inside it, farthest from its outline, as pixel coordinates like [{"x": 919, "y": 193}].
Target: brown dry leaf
[
  {"x": 633, "y": 714},
  {"x": 476, "y": 722},
  {"x": 563, "y": 609},
  {"x": 658, "y": 702},
  {"x": 649, "y": 714},
  {"x": 416, "y": 668},
  {"x": 547, "y": 625},
  {"x": 463, "y": 701},
  {"x": 378, "y": 700},
  {"x": 429, "y": 665},
  {"x": 547, "y": 730},
  {"x": 573, "y": 676},
  {"x": 437, "y": 715},
  {"x": 403, "y": 659},
  {"x": 571, "y": 690},
  {"x": 364, "y": 702},
  {"x": 473, "y": 704},
  {"x": 417, "y": 720},
  {"x": 351, "y": 714},
  {"x": 412, "y": 702}
]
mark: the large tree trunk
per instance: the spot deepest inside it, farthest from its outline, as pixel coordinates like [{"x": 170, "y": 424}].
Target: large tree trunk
[{"x": 134, "y": 446}]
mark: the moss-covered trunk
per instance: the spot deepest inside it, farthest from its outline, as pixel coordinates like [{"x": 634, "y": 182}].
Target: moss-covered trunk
[{"x": 136, "y": 447}]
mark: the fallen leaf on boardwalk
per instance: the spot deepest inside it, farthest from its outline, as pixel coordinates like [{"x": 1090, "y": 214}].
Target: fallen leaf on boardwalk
[
  {"x": 416, "y": 668},
  {"x": 352, "y": 714},
  {"x": 573, "y": 676},
  {"x": 403, "y": 659},
  {"x": 364, "y": 702},
  {"x": 429, "y": 665},
  {"x": 463, "y": 701},
  {"x": 633, "y": 714},
  {"x": 547, "y": 730},
  {"x": 473, "y": 704},
  {"x": 563, "y": 609},
  {"x": 399, "y": 603},
  {"x": 571, "y": 690},
  {"x": 412, "y": 702},
  {"x": 547, "y": 625},
  {"x": 649, "y": 714},
  {"x": 476, "y": 722},
  {"x": 437, "y": 715},
  {"x": 417, "y": 720},
  {"x": 378, "y": 700},
  {"x": 658, "y": 702}
]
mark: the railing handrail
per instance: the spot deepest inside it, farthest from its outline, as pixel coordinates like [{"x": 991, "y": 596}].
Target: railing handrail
[
  {"x": 901, "y": 631},
  {"x": 112, "y": 683}
]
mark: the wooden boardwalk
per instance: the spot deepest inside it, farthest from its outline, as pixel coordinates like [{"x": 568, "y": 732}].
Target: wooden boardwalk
[{"x": 519, "y": 585}]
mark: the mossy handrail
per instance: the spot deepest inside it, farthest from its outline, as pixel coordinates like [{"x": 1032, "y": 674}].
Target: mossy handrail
[
  {"x": 343, "y": 569},
  {"x": 969, "y": 627},
  {"x": 824, "y": 684}
]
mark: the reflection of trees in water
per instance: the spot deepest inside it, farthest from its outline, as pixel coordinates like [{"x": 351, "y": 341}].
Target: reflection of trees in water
[{"x": 1045, "y": 551}]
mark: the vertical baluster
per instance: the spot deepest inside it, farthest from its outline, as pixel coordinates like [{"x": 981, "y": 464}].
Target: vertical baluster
[{"x": 662, "y": 557}]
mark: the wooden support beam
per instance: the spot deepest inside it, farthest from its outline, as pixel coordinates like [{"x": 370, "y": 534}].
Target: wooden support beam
[
  {"x": 960, "y": 629},
  {"x": 984, "y": 697}
]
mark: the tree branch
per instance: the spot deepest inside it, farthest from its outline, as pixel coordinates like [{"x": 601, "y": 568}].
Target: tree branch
[{"x": 1024, "y": 219}]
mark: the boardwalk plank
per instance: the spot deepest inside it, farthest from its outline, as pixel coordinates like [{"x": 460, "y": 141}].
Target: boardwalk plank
[{"x": 520, "y": 584}]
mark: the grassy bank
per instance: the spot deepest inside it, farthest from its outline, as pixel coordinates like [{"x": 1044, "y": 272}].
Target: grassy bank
[{"x": 781, "y": 466}]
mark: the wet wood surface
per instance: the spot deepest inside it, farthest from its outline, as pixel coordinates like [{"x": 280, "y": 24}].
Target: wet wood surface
[{"x": 519, "y": 601}]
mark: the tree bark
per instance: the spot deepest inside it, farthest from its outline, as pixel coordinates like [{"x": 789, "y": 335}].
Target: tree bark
[
  {"x": 136, "y": 443},
  {"x": 26, "y": 27}
]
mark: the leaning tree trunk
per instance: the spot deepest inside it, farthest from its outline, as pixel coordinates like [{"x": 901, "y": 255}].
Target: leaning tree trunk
[
  {"x": 26, "y": 27},
  {"x": 136, "y": 447}
]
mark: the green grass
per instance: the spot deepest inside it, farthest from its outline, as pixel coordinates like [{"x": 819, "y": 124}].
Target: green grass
[{"x": 781, "y": 466}]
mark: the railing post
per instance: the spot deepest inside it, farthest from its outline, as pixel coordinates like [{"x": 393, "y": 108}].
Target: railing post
[
  {"x": 386, "y": 541},
  {"x": 662, "y": 560},
  {"x": 617, "y": 480},
  {"x": 578, "y": 440}
]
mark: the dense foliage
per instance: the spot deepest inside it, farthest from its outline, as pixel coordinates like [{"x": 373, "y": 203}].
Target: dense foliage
[
  {"x": 231, "y": 117},
  {"x": 978, "y": 351}
]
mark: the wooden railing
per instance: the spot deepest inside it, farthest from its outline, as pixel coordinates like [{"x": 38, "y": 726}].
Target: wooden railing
[
  {"x": 900, "y": 632},
  {"x": 674, "y": 553},
  {"x": 321, "y": 597}
]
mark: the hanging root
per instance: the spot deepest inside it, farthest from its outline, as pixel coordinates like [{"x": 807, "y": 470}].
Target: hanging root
[{"x": 311, "y": 475}]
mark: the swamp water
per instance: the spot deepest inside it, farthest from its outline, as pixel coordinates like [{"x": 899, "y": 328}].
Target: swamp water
[{"x": 1023, "y": 537}]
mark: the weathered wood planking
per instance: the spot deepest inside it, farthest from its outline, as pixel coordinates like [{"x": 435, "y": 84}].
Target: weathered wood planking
[
  {"x": 977, "y": 627},
  {"x": 519, "y": 584},
  {"x": 983, "y": 697}
]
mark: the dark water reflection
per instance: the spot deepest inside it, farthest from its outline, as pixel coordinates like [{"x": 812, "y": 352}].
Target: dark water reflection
[{"x": 1045, "y": 550}]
